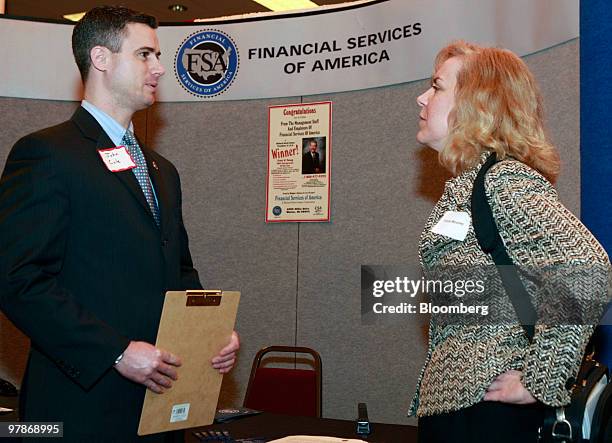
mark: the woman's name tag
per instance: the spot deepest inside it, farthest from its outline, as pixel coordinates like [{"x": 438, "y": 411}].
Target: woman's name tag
[{"x": 453, "y": 224}]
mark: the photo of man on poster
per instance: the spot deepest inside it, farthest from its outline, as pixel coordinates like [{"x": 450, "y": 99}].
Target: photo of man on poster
[{"x": 313, "y": 159}]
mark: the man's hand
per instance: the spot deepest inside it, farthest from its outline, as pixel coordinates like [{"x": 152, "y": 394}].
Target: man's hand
[
  {"x": 226, "y": 358},
  {"x": 145, "y": 364},
  {"x": 507, "y": 388}
]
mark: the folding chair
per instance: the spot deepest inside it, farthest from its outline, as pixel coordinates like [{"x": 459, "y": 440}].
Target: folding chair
[{"x": 285, "y": 390}]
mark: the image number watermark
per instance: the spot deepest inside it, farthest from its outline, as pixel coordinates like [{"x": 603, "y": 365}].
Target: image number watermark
[
  {"x": 31, "y": 429},
  {"x": 206, "y": 63}
]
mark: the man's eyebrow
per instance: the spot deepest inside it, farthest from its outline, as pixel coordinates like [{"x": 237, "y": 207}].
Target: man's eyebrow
[{"x": 150, "y": 49}]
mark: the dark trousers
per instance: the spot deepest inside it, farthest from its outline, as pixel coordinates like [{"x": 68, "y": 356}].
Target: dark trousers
[{"x": 486, "y": 422}]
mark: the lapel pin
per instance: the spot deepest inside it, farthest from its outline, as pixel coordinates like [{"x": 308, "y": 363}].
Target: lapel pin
[{"x": 154, "y": 163}]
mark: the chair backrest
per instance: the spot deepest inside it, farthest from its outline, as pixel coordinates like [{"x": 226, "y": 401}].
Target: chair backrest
[{"x": 285, "y": 390}]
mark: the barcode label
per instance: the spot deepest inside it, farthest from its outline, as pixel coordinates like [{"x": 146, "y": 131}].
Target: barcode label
[{"x": 179, "y": 412}]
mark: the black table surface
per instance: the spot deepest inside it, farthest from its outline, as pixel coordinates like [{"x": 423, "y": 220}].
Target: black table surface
[{"x": 272, "y": 426}]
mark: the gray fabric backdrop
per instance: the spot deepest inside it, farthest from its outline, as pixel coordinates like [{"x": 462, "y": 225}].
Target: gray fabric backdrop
[{"x": 300, "y": 283}]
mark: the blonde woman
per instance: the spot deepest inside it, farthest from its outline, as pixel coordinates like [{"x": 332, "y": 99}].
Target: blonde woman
[{"x": 490, "y": 383}]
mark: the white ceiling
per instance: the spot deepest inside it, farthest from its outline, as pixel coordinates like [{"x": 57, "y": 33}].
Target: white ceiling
[{"x": 55, "y": 9}]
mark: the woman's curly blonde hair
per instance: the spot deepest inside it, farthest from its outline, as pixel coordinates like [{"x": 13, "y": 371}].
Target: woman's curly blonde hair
[{"x": 498, "y": 107}]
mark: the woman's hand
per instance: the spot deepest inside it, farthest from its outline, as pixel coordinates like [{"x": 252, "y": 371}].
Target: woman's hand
[{"x": 507, "y": 388}]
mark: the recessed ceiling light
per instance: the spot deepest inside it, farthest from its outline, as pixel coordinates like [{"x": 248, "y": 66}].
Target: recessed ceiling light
[
  {"x": 74, "y": 17},
  {"x": 177, "y": 8},
  {"x": 286, "y": 5}
]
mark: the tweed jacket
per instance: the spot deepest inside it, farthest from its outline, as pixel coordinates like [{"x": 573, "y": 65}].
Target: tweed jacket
[{"x": 538, "y": 231}]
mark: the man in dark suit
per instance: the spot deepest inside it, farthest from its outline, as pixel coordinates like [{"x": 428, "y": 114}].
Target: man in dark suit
[
  {"x": 310, "y": 160},
  {"x": 91, "y": 237}
]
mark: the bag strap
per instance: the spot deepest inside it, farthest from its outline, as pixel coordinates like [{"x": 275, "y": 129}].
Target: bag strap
[{"x": 491, "y": 243}]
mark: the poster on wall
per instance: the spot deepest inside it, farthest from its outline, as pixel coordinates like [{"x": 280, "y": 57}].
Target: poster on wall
[{"x": 299, "y": 163}]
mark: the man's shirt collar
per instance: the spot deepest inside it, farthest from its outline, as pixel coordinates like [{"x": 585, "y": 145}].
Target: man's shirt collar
[{"x": 113, "y": 129}]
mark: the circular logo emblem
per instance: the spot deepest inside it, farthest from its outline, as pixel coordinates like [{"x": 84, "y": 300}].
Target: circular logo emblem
[
  {"x": 276, "y": 210},
  {"x": 206, "y": 63}
]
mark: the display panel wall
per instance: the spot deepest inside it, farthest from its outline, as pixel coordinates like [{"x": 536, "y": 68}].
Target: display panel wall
[{"x": 300, "y": 283}]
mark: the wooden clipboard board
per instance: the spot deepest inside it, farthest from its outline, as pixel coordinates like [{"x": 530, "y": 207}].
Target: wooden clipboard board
[{"x": 195, "y": 325}]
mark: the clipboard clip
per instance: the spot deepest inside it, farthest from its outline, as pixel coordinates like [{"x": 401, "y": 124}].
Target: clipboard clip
[{"x": 206, "y": 297}]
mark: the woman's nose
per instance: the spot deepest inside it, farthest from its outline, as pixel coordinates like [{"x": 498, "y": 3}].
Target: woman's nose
[{"x": 423, "y": 98}]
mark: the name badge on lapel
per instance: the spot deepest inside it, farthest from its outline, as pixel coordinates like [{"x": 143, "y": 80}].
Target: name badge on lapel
[
  {"x": 117, "y": 159},
  {"x": 453, "y": 224}
]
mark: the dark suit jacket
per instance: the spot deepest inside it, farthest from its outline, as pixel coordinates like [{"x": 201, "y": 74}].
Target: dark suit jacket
[
  {"x": 309, "y": 164},
  {"x": 83, "y": 270}
]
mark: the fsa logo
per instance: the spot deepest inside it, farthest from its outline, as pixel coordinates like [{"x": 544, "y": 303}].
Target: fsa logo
[{"x": 206, "y": 63}]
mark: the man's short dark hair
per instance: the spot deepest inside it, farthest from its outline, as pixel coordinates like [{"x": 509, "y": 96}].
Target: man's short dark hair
[
  {"x": 103, "y": 26},
  {"x": 312, "y": 140}
]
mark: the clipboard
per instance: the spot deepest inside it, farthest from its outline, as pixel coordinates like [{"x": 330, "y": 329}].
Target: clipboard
[{"x": 194, "y": 325}]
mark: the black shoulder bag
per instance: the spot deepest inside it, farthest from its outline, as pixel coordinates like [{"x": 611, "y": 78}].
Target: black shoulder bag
[{"x": 564, "y": 424}]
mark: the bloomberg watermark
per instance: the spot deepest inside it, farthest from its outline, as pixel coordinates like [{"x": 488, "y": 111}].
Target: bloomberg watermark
[{"x": 477, "y": 295}]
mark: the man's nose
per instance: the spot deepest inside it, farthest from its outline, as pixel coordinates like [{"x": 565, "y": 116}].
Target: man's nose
[{"x": 158, "y": 68}]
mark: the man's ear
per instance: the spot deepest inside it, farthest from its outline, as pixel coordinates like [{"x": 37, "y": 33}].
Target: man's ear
[{"x": 100, "y": 57}]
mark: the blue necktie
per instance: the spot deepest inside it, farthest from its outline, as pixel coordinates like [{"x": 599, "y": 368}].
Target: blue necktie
[{"x": 141, "y": 172}]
